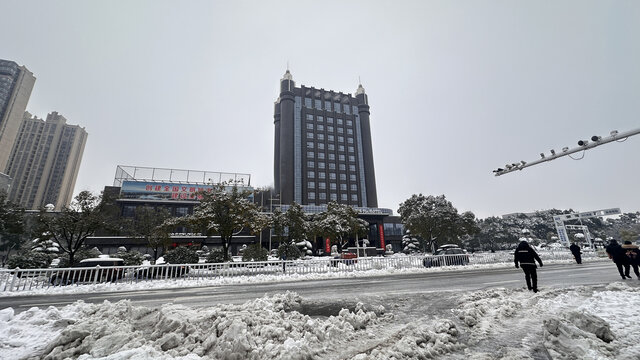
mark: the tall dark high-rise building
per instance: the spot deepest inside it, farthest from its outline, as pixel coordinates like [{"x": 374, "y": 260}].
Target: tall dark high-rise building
[
  {"x": 323, "y": 148},
  {"x": 45, "y": 161},
  {"x": 16, "y": 83}
]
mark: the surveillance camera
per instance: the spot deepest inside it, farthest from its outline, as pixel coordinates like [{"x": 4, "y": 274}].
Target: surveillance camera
[
  {"x": 583, "y": 142},
  {"x": 614, "y": 132},
  {"x": 542, "y": 155},
  {"x": 565, "y": 149},
  {"x": 595, "y": 138},
  {"x": 553, "y": 152}
]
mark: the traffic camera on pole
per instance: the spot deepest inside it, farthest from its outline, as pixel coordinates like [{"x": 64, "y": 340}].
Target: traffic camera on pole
[{"x": 583, "y": 145}]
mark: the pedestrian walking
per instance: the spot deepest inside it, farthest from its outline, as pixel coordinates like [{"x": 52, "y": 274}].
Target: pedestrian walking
[
  {"x": 575, "y": 250},
  {"x": 527, "y": 257},
  {"x": 619, "y": 257},
  {"x": 633, "y": 253}
]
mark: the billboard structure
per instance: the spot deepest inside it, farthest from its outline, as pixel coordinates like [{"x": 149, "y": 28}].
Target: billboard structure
[
  {"x": 561, "y": 228},
  {"x": 146, "y": 183}
]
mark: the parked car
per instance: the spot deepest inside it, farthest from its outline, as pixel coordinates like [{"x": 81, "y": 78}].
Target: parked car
[
  {"x": 161, "y": 271},
  {"x": 100, "y": 269},
  {"x": 346, "y": 258},
  {"x": 447, "y": 255}
]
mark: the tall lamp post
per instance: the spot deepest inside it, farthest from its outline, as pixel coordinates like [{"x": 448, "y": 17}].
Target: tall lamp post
[{"x": 271, "y": 198}]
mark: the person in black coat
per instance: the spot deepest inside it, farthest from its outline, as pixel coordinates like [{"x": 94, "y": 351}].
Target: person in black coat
[
  {"x": 575, "y": 250},
  {"x": 633, "y": 254},
  {"x": 619, "y": 257},
  {"x": 526, "y": 257}
]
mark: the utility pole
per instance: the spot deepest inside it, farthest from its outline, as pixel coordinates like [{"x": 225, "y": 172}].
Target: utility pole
[{"x": 582, "y": 146}]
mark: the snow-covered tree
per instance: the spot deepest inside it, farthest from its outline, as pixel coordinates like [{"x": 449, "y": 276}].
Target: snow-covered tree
[
  {"x": 224, "y": 211},
  {"x": 74, "y": 223},
  {"x": 339, "y": 222},
  {"x": 11, "y": 225},
  {"x": 297, "y": 223},
  {"x": 278, "y": 224},
  {"x": 148, "y": 225},
  {"x": 410, "y": 244},
  {"x": 433, "y": 219},
  {"x": 132, "y": 257},
  {"x": 181, "y": 255},
  {"x": 255, "y": 252}
]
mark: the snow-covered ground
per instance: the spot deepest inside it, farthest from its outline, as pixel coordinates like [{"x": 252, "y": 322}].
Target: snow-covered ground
[{"x": 586, "y": 322}]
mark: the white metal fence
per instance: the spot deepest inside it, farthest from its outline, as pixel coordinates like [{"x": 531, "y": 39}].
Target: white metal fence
[{"x": 31, "y": 279}]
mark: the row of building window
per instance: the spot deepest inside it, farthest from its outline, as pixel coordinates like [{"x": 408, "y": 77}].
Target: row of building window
[
  {"x": 330, "y": 120},
  {"x": 329, "y": 106},
  {"x": 321, "y": 137},
  {"x": 332, "y": 166},
  {"x": 332, "y": 196},
  {"x": 332, "y": 186},
  {"x": 332, "y": 156},
  {"x": 330, "y": 129},
  {"x": 330, "y": 147},
  {"x": 332, "y": 176}
]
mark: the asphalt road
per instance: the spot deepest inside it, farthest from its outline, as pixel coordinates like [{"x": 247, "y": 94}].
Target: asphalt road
[{"x": 349, "y": 290}]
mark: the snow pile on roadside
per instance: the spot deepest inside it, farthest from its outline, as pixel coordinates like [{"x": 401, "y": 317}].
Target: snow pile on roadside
[
  {"x": 265, "y": 328},
  {"x": 586, "y": 322},
  {"x": 30, "y": 331},
  {"x": 582, "y": 323}
]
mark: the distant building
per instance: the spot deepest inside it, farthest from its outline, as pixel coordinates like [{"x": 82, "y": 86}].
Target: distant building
[
  {"x": 175, "y": 190},
  {"x": 16, "y": 83},
  {"x": 45, "y": 160},
  {"x": 323, "y": 148},
  {"x": 323, "y": 153}
]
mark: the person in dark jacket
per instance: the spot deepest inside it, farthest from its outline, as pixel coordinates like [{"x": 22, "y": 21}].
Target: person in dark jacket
[
  {"x": 526, "y": 257},
  {"x": 575, "y": 250},
  {"x": 619, "y": 257},
  {"x": 633, "y": 254}
]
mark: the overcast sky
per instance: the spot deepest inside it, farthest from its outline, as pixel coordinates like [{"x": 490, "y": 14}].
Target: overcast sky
[{"x": 456, "y": 89}]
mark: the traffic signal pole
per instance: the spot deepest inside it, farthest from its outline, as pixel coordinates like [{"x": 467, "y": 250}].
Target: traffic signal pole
[{"x": 582, "y": 146}]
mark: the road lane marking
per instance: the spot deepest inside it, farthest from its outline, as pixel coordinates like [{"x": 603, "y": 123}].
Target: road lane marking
[
  {"x": 47, "y": 304},
  {"x": 499, "y": 282}
]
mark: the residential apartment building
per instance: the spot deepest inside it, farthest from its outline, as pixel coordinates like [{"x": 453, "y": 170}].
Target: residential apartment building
[
  {"x": 16, "y": 83},
  {"x": 45, "y": 161}
]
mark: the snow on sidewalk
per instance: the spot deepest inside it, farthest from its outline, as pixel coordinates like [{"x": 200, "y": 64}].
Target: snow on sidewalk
[{"x": 586, "y": 322}]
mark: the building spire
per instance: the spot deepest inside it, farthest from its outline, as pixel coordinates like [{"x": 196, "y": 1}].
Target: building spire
[{"x": 287, "y": 75}]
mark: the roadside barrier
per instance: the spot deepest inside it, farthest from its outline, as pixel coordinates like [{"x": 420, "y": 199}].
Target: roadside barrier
[{"x": 31, "y": 279}]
